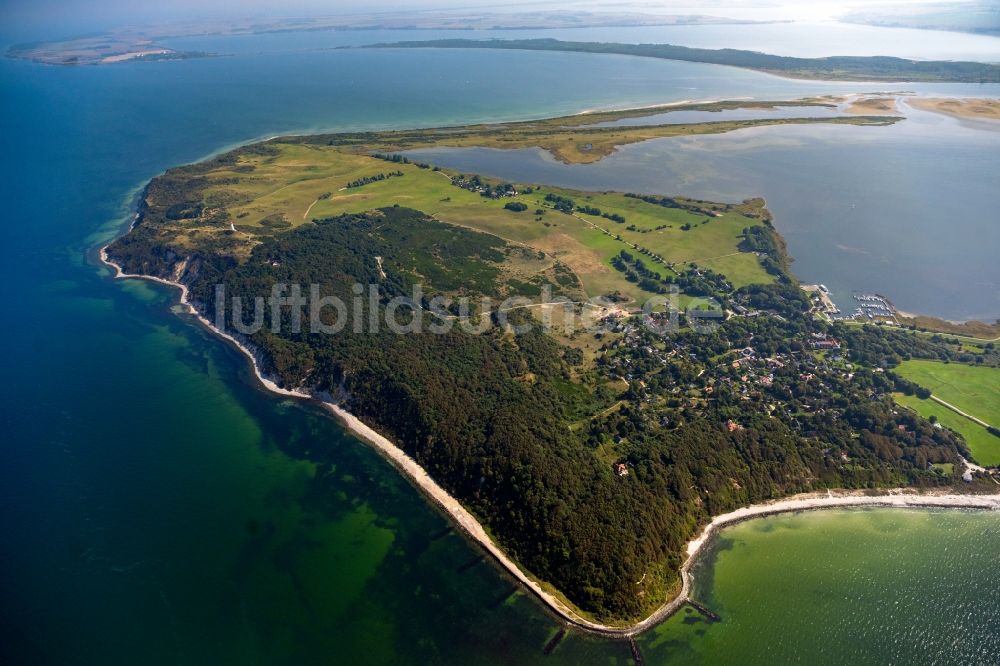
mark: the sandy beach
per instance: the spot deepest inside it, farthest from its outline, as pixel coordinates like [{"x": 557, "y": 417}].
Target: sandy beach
[
  {"x": 971, "y": 108},
  {"x": 869, "y": 106},
  {"x": 897, "y": 498}
]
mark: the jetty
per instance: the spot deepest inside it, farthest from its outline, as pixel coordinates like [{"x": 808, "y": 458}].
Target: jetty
[{"x": 707, "y": 613}]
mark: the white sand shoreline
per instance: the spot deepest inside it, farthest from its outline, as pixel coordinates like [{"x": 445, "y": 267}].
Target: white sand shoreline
[{"x": 898, "y": 498}]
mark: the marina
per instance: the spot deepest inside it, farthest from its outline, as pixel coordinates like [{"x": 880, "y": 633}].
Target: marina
[{"x": 874, "y": 307}]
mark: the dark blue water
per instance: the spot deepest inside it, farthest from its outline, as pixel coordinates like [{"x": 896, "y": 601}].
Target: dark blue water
[{"x": 156, "y": 506}]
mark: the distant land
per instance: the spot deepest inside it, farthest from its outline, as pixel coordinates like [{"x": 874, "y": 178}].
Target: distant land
[
  {"x": 834, "y": 68},
  {"x": 587, "y": 462},
  {"x": 100, "y": 50},
  {"x": 145, "y": 43},
  {"x": 979, "y": 17}
]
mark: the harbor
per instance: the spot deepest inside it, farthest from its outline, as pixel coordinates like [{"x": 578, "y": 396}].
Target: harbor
[{"x": 872, "y": 306}]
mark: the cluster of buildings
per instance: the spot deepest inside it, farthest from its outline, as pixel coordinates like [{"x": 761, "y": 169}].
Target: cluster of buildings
[
  {"x": 820, "y": 297},
  {"x": 475, "y": 184}
]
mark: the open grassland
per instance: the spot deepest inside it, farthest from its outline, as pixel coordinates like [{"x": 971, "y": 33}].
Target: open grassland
[
  {"x": 975, "y": 390},
  {"x": 574, "y": 144},
  {"x": 984, "y": 446},
  {"x": 262, "y": 193},
  {"x": 574, "y": 138},
  {"x": 590, "y": 118},
  {"x": 969, "y": 329}
]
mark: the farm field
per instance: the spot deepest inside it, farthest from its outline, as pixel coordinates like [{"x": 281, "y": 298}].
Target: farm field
[
  {"x": 974, "y": 390},
  {"x": 984, "y": 446}
]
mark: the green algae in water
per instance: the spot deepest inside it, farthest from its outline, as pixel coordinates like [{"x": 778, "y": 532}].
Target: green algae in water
[{"x": 861, "y": 586}]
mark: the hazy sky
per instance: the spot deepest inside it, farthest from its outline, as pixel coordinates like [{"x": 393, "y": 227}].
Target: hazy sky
[{"x": 49, "y": 18}]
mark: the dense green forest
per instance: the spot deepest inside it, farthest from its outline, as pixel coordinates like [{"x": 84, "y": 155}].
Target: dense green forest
[
  {"x": 592, "y": 474},
  {"x": 847, "y": 68}
]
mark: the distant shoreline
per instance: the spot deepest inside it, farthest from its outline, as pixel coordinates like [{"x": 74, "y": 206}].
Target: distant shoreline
[
  {"x": 886, "y": 69},
  {"x": 895, "y": 498}
]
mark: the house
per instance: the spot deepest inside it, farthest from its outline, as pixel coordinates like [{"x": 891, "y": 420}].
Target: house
[
  {"x": 823, "y": 341},
  {"x": 621, "y": 469}
]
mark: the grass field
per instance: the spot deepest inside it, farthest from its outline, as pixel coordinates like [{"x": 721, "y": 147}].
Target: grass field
[
  {"x": 973, "y": 389},
  {"x": 984, "y": 446},
  {"x": 974, "y": 331},
  {"x": 569, "y": 138},
  {"x": 304, "y": 182}
]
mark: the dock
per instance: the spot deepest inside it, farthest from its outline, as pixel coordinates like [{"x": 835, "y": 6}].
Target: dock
[{"x": 874, "y": 307}]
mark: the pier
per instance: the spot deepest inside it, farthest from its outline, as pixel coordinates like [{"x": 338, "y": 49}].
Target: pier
[{"x": 874, "y": 306}]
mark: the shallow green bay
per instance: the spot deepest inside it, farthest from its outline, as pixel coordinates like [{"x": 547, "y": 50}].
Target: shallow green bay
[{"x": 859, "y": 586}]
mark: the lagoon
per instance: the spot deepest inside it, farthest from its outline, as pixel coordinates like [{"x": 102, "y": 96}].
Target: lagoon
[{"x": 903, "y": 211}]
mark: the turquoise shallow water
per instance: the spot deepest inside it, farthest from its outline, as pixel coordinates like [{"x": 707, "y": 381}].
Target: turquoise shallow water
[{"x": 156, "y": 505}]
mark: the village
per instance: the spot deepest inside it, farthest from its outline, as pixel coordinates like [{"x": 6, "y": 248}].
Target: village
[{"x": 762, "y": 361}]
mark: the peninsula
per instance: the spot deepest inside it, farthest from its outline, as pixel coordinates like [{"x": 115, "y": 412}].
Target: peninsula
[{"x": 587, "y": 458}]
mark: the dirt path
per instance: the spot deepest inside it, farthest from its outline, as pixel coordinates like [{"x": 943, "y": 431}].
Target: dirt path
[
  {"x": 306, "y": 214},
  {"x": 960, "y": 412}
]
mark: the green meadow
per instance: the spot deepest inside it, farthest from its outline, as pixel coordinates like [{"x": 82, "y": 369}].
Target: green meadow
[
  {"x": 305, "y": 182},
  {"x": 973, "y": 389},
  {"x": 984, "y": 446}
]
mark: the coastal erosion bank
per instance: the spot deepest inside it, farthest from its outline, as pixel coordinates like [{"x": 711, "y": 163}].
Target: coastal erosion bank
[{"x": 897, "y": 498}]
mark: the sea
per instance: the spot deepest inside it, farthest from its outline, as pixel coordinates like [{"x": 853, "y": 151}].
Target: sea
[{"x": 158, "y": 507}]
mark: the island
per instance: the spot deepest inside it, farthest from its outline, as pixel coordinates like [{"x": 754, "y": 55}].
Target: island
[
  {"x": 147, "y": 42},
  {"x": 974, "y": 16},
  {"x": 588, "y": 383},
  {"x": 970, "y": 108},
  {"x": 834, "y": 68}
]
